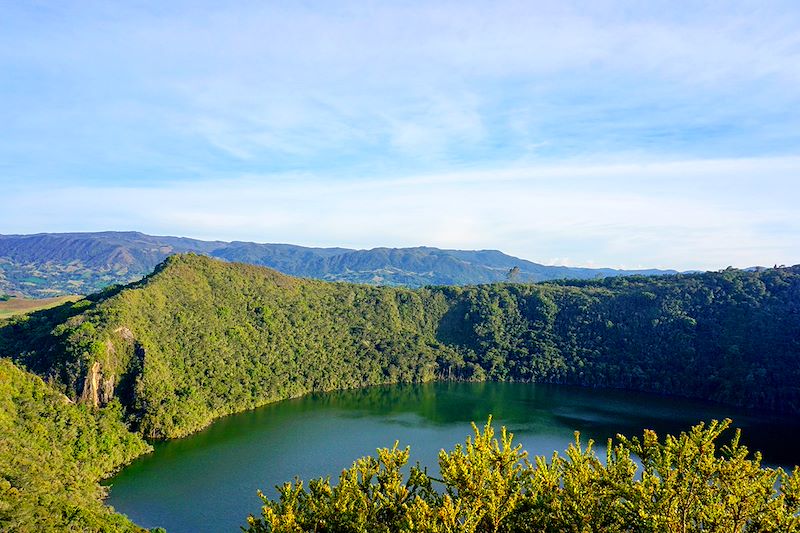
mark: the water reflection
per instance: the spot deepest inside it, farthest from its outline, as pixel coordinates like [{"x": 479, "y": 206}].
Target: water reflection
[{"x": 207, "y": 482}]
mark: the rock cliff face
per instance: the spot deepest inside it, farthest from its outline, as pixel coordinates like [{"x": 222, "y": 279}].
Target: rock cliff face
[
  {"x": 124, "y": 333},
  {"x": 98, "y": 389},
  {"x": 102, "y": 378}
]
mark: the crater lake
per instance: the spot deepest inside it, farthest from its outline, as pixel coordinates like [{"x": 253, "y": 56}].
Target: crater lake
[{"x": 207, "y": 482}]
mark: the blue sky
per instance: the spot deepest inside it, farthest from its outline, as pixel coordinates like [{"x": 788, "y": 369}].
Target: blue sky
[{"x": 598, "y": 133}]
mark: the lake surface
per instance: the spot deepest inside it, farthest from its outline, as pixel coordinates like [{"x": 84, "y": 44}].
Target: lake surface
[{"x": 208, "y": 482}]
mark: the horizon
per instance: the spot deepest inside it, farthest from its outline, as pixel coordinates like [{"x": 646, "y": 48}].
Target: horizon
[
  {"x": 413, "y": 247},
  {"x": 613, "y": 135}
]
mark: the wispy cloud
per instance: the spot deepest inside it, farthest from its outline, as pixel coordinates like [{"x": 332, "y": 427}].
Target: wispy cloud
[
  {"x": 292, "y": 86},
  {"x": 562, "y": 130},
  {"x": 686, "y": 214}
]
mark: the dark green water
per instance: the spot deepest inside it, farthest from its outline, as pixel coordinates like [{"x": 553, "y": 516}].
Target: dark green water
[{"x": 208, "y": 482}]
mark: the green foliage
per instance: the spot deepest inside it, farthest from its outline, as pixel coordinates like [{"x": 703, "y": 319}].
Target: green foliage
[
  {"x": 52, "y": 454},
  {"x": 371, "y": 496},
  {"x": 200, "y": 338},
  {"x": 684, "y": 484},
  {"x": 730, "y": 336}
]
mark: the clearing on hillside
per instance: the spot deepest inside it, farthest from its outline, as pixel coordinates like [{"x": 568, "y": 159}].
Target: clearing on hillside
[{"x": 19, "y": 306}]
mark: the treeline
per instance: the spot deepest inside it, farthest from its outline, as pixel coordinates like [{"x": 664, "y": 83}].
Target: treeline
[
  {"x": 52, "y": 452},
  {"x": 731, "y": 336},
  {"x": 201, "y": 338},
  {"x": 488, "y": 485}
]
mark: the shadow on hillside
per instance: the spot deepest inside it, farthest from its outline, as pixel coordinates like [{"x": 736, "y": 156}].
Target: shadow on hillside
[
  {"x": 454, "y": 328},
  {"x": 28, "y": 339}
]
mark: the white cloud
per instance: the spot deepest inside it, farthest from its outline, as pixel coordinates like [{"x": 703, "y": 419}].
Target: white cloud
[
  {"x": 404, "y": 80},
  {"x": 671, "y": 214},
  {"x": 614, "y": 132}
]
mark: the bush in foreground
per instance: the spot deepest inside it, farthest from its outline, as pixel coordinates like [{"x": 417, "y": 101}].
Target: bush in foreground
[{"x": 684, "y": 483}]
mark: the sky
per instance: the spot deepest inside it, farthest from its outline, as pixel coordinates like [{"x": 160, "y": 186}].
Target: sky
[{"x": 615, "y": 134}]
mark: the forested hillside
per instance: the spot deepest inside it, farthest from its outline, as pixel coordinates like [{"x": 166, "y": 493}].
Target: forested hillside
[
  {"x": 50, "y": 264},
  {"x": 201, "y": 338},
  {"x": 731, "y": 336},
  {"x": 52, "y": 453}
]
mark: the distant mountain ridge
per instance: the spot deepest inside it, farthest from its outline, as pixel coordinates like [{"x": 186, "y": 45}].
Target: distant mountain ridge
[{"x": 49, "y": 264}]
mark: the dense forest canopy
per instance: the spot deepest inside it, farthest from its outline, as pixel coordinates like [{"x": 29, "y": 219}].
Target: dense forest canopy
[
  {"x": 52, "y": 452},
  {"x": 201, "y": 338}
]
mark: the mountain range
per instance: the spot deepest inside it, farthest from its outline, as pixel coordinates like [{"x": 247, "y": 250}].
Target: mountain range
[{"x": 52, "y": 264}]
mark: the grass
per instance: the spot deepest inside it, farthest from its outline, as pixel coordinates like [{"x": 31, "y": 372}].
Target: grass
[{"x": 19, "y": 306}]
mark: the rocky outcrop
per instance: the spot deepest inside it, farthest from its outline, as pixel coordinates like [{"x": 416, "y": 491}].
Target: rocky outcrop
[
  {"x": 98, "y": 387},
  {"x": 125, "y": 333},
  {"x": 91, "y": 385}
]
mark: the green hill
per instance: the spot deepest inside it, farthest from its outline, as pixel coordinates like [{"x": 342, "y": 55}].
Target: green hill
[
  {"x": 200, "y": 338},
  {"x": 52, "y": 452}
]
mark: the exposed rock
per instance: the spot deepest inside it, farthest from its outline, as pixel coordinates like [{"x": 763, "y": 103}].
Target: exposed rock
[
  {"x": 125, "y": 333},
  {"x": 91, "y": 385},
  {"x": 98, "y": 389},
  {"x": 106, "y": 389}
]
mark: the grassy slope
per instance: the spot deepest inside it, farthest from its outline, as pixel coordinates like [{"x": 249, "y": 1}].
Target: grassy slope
[{"x": 19, "y": 306}]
